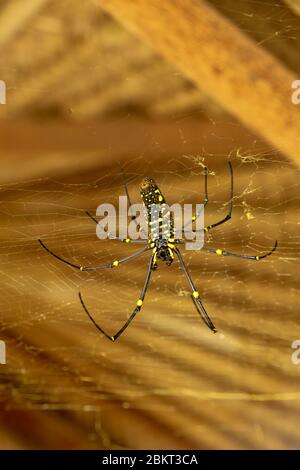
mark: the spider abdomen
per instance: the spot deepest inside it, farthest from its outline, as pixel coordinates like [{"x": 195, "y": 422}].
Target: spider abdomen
[{"x": 157, "y": 212}]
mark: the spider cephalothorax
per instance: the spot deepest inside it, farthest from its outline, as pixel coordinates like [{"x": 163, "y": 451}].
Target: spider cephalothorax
[
  {"x": 166, "y": 255},
  {"x": 163, "y": 243},
  {"x": 163, "y": 250}
]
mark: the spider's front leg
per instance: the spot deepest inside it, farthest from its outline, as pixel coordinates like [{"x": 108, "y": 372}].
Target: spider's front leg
[
  {"x": 204, "y": 203},
  {"x": 230, "y": 204},
  {"x": 230, "y": 207}
]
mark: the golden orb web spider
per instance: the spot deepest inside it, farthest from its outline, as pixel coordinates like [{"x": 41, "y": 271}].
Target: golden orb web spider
[{"x": 163, "y": 248}]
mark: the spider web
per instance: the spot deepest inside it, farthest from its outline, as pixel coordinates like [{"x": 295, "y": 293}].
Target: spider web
[
  {"x": 237, "y": 388},
  {"x": 44, "y": 325}
]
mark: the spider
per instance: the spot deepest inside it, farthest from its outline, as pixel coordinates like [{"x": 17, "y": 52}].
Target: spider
[{"x": 163, "y": 248}]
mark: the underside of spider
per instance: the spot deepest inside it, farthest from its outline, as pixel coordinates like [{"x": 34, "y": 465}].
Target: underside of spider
[
  {"x": 163, "y": 245},
  {"x": 160, "y": 222}
]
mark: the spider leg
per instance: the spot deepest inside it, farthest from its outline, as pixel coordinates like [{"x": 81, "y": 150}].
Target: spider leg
[
  {"x": 205, "y": 201},
  {"x": 114, "y": 264},
  {"x": 195, "y": 294},
  {"x": 227, "y": 217},
  {"x": 126, "y": 190},
  {"x": 129, "y": 240},
  {"x": 133, "y": 314},
  {"x": 237, "y": 255},
  {"x": 229, "y": 213},
  {"x": 133, "y": 217},
  {"x": 124, "y": 240},
  {"x": 91, "y": 217}
]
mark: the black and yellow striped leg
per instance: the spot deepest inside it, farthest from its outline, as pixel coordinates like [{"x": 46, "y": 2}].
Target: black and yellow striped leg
[
  {"x": 237, "y": 255},
  {"x": 195, "y": 295},
  {"x": 138, "y": 307},
  {"x": 114, "y": 264}
]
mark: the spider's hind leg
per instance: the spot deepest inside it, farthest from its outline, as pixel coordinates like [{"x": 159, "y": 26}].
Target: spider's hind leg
[{"x": 195, "y": 295}]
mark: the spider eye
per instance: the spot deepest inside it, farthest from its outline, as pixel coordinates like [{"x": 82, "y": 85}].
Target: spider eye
[{"x": 146, "y": 183}]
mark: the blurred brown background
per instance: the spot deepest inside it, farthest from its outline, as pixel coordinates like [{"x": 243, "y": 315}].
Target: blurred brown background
[{"x": 84, "y": 93}]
